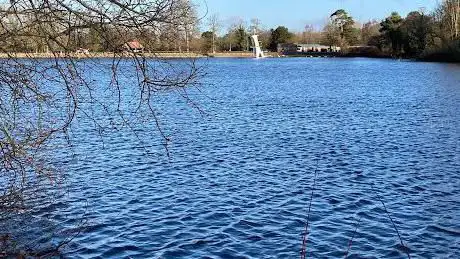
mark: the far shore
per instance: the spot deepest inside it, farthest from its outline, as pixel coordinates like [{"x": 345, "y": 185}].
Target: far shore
[
  {"x": 442, "y": 57},
  {"x": 160, "y": 54}
]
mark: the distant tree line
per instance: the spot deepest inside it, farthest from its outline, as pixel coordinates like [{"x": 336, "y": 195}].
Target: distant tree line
[
  {"x": 419, "y": 34},
  {"x": 434, "y": 35},
  {"x": 424, "y": 35},
  {"x": 62, "y": 26}
]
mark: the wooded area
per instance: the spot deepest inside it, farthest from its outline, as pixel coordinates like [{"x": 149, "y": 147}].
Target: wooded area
[{"x": 65, "y": 26}]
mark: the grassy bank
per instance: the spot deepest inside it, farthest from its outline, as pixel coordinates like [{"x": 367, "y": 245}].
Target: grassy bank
[
  {"x": 233, "y": 54},
  {"x": 443, "y": 55},
  {"x": 101, "y": 55}
]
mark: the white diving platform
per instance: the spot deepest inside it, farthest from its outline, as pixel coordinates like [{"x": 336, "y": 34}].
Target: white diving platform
[{"x": 258, "y": 53}]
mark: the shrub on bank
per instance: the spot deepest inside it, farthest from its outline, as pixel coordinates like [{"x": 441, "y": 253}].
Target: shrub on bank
[{"x": 449, "y": 53}]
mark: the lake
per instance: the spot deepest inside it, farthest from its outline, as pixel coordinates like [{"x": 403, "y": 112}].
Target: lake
[{"x": 241, "y": 167}]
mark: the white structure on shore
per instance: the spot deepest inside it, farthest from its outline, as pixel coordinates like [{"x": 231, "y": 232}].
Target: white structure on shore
[{"x": 258, "y": 53}]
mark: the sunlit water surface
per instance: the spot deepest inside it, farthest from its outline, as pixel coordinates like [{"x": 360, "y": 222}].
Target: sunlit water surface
[{"x": 240, "y": 173}]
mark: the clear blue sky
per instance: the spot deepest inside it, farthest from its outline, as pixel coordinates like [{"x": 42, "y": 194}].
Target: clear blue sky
[{"x": 295, "y": 14}]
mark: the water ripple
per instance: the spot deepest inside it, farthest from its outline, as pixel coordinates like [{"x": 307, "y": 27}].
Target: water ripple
[{"x": 238, "y": 182}]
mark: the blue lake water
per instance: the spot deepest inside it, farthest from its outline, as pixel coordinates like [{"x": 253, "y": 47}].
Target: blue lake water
[{"x": 240, "y": 173}]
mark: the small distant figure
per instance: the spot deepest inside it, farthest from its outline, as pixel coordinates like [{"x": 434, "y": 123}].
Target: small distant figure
[{"x": 82, "y": 51}]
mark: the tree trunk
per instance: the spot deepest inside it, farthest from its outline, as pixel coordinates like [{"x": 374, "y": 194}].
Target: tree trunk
[
  {"x": 457, "y": 20},
  {"x": 213, "y": 43},
  {"x": 187, "y": 40}
]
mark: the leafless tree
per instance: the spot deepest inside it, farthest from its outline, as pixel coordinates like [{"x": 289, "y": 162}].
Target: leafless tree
[
  {"x": 214, "y": 26},
  {"x": 310, "y": 35},
  {"x": 40, "y": 99},
  {"x": 452, "y": 13},
  {"x": 190, "y": 23},
  {"x": 448, "y": 16},
  {"x": 255, "y": 26}
]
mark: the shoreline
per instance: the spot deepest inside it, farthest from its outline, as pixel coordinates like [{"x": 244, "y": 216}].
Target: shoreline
[
  {"x": 126, "y": 55},
  {"x": 195, "y": 55}
]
